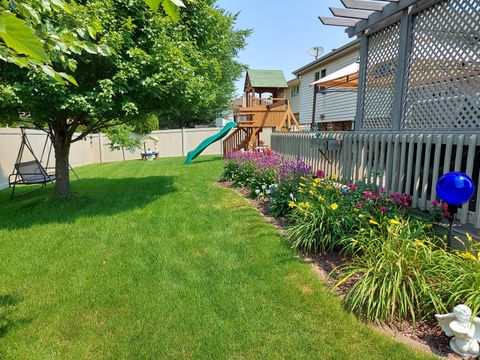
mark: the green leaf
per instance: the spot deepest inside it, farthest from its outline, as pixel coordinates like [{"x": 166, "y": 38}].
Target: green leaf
[
  {"x": 153, "y": 4},
  {"x": 171, "y": 9},
  {"x": 179, "y": 3},
  {"x": 18, "y": 36},
  {"x": 68, "y": 77}
]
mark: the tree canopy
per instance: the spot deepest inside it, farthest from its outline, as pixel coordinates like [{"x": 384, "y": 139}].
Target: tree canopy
[{"x": 128, "y": 59}]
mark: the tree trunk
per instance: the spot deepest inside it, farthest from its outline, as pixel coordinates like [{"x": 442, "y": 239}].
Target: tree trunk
[
  {"x": 123, "y": 152},
  {"x": 62, "y": 173}
]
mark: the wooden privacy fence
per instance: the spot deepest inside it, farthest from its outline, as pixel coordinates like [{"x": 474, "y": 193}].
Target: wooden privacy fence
[{"x": 399, "y": 162}]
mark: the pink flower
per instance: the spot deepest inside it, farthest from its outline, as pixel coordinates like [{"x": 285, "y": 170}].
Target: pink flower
[
  {"x": 406, "y": 203},
  {"x": 444, "y": 206},
  {"x": 434, "y": 202},
  {"x": 352, "y": 187},
  {"x": 320, "y": 174},
  {"x": 383, "y": 209},
  {"x": 446, "y": 214}
]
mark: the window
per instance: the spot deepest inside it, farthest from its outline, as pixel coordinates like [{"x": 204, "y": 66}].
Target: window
[
  {"x": 317, "y": 75},
  {"x": 295, "y": 91},
  {"x": 323, "y": 73}
]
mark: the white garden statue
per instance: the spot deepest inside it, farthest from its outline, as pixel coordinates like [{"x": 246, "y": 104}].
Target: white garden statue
[{"x": 464, "y": 329}]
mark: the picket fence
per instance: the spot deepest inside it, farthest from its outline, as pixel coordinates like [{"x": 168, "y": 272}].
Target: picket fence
[{"x": 398, "y": 162}]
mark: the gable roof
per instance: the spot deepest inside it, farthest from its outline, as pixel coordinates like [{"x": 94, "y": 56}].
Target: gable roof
[{"x": 267, "y": 78}]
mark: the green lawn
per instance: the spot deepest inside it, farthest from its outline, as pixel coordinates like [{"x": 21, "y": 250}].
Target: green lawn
[{"x": 149, "y": 260}]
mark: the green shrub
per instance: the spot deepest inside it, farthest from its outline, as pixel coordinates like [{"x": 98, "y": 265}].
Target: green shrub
[
  {"x": 463, "y": 286},
  {"x": 398, "y": 275},
  {"x": 321, "y": 216}
]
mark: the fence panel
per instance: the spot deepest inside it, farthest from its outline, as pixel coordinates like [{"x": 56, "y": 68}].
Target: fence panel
[{"x": 410, "y": 163}]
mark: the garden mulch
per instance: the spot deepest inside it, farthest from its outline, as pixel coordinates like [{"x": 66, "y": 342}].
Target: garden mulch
[{"x": 426, "y": 335}]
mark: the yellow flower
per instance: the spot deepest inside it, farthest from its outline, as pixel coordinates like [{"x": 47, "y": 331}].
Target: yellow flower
[
  {"x": 316, "y": 181},
  {"x": 373, "y": 222},
  {"x": 320, "y": 198},
  {"x": 334, "y": 177},
  {"x": 312, "y": 192},
  {"x": 468, "y": 256},
  {"x": 355, "y": 209},
  {"x": 418, "y": 243},
  {"x": 469, "y": 238},
  {"x": 334, "y": 206},
  {"x": 429, "y": 226},
  {"x": 292, "y": 204},
  {"x": 395, "y": 222},
  {"x": 305, "y": 205}
]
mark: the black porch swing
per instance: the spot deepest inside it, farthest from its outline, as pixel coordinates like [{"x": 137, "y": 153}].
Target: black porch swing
[{"x": 33, "y": 172}]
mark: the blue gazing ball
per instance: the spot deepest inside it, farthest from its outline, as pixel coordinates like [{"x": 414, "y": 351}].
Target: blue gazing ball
[{"x": 455, "y": 188}]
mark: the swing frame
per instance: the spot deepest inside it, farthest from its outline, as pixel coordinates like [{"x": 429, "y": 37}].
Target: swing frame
[{"x": 33, "y": 172}]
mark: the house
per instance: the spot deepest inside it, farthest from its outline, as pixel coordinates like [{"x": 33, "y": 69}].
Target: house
[{"x": 333, "y": 109}]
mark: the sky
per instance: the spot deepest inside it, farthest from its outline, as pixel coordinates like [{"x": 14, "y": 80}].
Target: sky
[{"x": 283, "y": 32}]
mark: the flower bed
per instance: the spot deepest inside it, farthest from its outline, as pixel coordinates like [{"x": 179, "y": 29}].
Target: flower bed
[{"x": 400, "y": 268}]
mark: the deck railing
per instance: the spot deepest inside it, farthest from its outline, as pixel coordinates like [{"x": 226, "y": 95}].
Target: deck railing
[
  {"x": 236, "y": 140},
  {"x": 398, "y": 162}
]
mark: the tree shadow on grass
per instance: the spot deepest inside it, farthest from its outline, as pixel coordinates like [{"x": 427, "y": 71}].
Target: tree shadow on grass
[
  {"x": 90, "y": 198},
  {"x": 8, "y": 320}
]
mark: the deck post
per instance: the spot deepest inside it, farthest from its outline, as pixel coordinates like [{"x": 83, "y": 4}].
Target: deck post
[{"x": 402, "y": 65}]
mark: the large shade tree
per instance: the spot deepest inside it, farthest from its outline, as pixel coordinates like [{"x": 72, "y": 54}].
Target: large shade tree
[{"x": 128, "y": 59}]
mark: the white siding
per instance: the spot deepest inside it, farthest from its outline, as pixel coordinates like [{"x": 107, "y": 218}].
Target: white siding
[
  {"x": 335, "y": 106},
  {"x": 294, "y": 101}
]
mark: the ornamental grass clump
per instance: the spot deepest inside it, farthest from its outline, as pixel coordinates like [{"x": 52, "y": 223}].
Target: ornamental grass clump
[
  {"x": 463, "y": 273},
  {"x": 399, "y": 273}
]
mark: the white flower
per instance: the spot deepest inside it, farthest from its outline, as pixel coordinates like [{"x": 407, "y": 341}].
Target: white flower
[
  {"x": 257, "y": 192},
  {"x": 292, "y": 197},
  {"x": 267, "y": 192},
  {"x": 264, "y": 187}
]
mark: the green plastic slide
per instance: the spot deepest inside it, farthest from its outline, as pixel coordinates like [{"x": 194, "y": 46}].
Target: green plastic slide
[{"x": 209, "y": 141}]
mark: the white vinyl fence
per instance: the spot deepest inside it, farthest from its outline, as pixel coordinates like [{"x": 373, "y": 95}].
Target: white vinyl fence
[{"x": 399, "y": 162}]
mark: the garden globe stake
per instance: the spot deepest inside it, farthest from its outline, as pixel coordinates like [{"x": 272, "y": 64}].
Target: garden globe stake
[{"x": 455, "y": 188}]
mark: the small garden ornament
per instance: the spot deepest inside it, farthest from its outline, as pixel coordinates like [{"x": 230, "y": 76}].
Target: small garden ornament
[{"x": 464, "y": 329}]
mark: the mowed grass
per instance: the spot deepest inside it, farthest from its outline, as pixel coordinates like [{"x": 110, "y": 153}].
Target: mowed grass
[{"x": 150, "y": 260}]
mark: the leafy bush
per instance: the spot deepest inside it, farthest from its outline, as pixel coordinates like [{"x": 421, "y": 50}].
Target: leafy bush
[
  {"x": 259, "y": 170},
  {"x": 326, "y": 213},
  {"x": 463, "y": 286},
  {"x": 321, "y": 216},
  {"x": 398, "y": 275}
]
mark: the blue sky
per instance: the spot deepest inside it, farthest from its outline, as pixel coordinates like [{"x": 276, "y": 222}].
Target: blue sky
[{"x": 284, "y": 31}]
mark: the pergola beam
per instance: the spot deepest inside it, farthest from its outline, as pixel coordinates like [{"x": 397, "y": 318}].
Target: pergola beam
[
  {"x": 389, "y": 10},
  {"x": 364, "y": 5},
  {"x": 344, "y": 22},
  {"x": 350, "y": 13}
]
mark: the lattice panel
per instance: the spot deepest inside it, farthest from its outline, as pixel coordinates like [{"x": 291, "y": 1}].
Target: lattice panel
[
  {"x": 380, "y": 78},
  {"x": 443, "y": 88}
]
